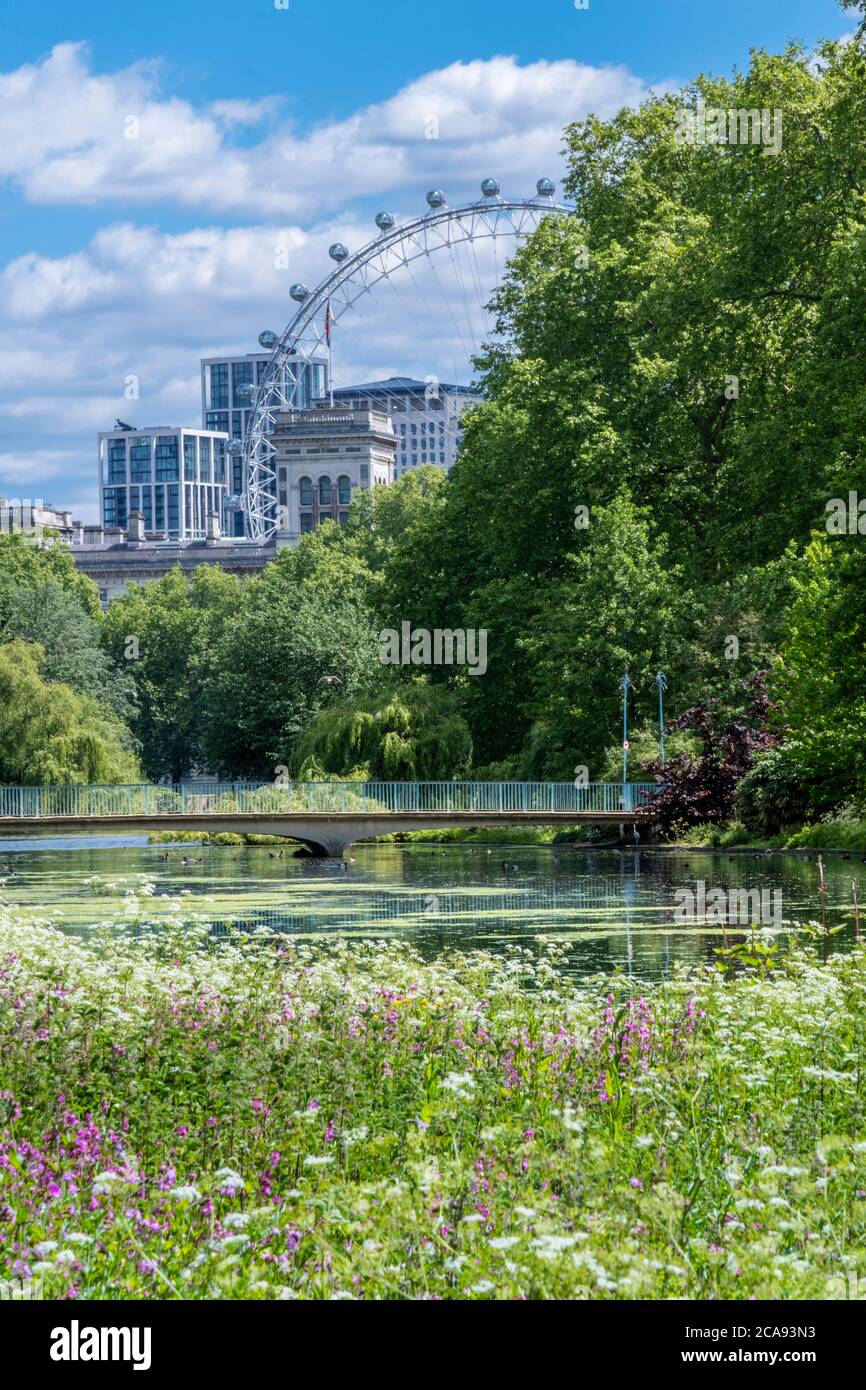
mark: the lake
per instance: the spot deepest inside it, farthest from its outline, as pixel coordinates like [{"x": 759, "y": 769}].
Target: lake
[{"x": 612, "y": 909}]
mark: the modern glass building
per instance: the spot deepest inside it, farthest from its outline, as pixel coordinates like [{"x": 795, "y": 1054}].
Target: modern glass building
[
  {"x": 426, "y": 416},
  {"x": 226, "y": 407},
  {"x": 173, "y": 476}
]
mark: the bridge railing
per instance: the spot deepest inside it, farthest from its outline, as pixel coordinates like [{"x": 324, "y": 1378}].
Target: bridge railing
[{"x": 357, "y": 798}]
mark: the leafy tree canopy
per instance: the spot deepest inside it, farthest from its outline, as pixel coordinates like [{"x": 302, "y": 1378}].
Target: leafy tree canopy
[
  {"x": 51, "y": 734},
  {"x": 408, "y": 732},
  {"x": 163, "y": 637}
]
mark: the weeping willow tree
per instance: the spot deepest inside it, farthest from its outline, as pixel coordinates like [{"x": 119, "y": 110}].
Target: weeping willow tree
[
  {"x": 412, "y": 732},
  {"x": 50, "y": 734}
]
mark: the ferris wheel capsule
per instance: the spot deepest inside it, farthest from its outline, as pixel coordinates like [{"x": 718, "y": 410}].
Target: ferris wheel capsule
[
  {"x": 268, "y": 340},
  {"x": 436, "y": 198},
  {"x": 490, "y": 188},
  {"x": 338, "y": 252},
  {"x": 235, "y": 445},
  {"x": 299, "y": 293},
  {"x": 385, "y": 221},
  {"x": 246, "y": 391},
  {"x": 546, "y": 188}
]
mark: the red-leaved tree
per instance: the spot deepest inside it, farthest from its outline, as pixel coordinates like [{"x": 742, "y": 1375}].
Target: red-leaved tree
[{"x": 700, "y": 790}]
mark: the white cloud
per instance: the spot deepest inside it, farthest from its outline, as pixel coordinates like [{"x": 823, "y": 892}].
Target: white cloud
[{"x": 68, "y": 135}]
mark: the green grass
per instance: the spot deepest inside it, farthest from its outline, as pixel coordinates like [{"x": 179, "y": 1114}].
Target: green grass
[
  {"x": 841, "y": 834},
  {"x": 505, "y": 835},
  {"x": 182, "y": 1117}
]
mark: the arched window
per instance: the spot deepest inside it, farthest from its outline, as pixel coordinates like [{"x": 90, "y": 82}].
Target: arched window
[
  {"x": 306, "y": 486},
  {"x": 344, "y": 490},
  {"x": 326, "y": 492}
]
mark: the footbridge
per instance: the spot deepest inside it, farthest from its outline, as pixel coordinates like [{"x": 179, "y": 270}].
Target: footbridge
[{"x": 324, "y": 816}]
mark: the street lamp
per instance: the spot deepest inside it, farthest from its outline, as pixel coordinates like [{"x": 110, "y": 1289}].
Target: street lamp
[
  {"x": 662, "y": 684},
  {"x": 625, "y": 685}
]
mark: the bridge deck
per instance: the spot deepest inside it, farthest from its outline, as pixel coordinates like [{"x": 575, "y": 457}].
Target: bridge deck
[{"x": 325, "y": 816}]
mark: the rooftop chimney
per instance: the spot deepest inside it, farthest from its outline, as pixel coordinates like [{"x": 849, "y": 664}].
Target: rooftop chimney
[
  {"x": 213, "y": 527},
  {"x": 135, "y": 529}
]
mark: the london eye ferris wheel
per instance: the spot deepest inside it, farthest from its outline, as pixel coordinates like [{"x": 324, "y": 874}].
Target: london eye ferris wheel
[{"x": 441, "y": 270}]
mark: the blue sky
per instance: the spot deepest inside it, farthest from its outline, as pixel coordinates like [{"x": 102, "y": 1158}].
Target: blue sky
[{"x": 142, "y": 255}]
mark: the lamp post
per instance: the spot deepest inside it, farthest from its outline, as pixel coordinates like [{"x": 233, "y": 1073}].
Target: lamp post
[
  {"x": 625, "y": 685},
  {"x": 662, "y": 684}
]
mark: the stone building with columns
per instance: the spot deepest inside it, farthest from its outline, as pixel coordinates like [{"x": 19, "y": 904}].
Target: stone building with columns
[{"x": 325, "y": 456}]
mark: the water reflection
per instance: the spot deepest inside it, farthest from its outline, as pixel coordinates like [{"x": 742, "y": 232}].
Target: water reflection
[{"x": 612, "y": 909}]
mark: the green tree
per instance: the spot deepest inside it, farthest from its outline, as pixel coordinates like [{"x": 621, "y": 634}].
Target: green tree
[
  {"x": 303, "y": 637},
  {"x": 819, "y": 676},
  {"x": 71, "y": 642},
  {"x": 620, "y": 606},
  {"x": 164, "y": 636},
  {"x": 412, "y": 732},
  {"x": 24, "y": 564},
  {"x": 51, "y": 734},
  {"x": 693, "y": 336}
]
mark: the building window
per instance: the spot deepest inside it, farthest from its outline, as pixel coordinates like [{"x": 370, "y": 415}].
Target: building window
[
  {"x": 238, "y": 423},
  {"x": 365, "y": 472},
  {"x": 160, "y": 508},
  {"x": 306, "y": 490},
  {"x": 114, "y": 511},
  {"x": 239, "y": 523},
  {"x": 139, "y": 459},
  {"x": 242, "y": 375},
  {"x": 326, "y": 492},
  {"x": 306, "y": 522},
  {"x": 189, "y": 457},
  {"x": 219, "y": 386},
  {"x": 344, "y": 490},
  {"x": 166, "y": 458},
  {"x": 204, "y": 458},
  {"x": 344, "y": 517},
  {"x": 117, "y": 461},
  {"x": 217, "y": 420},
  {"x": 174, "y": 509},
  {"x": 219, "y": 467}
]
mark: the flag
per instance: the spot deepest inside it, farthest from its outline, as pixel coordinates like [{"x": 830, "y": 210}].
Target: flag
[{"x": 328, "y": 323}]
